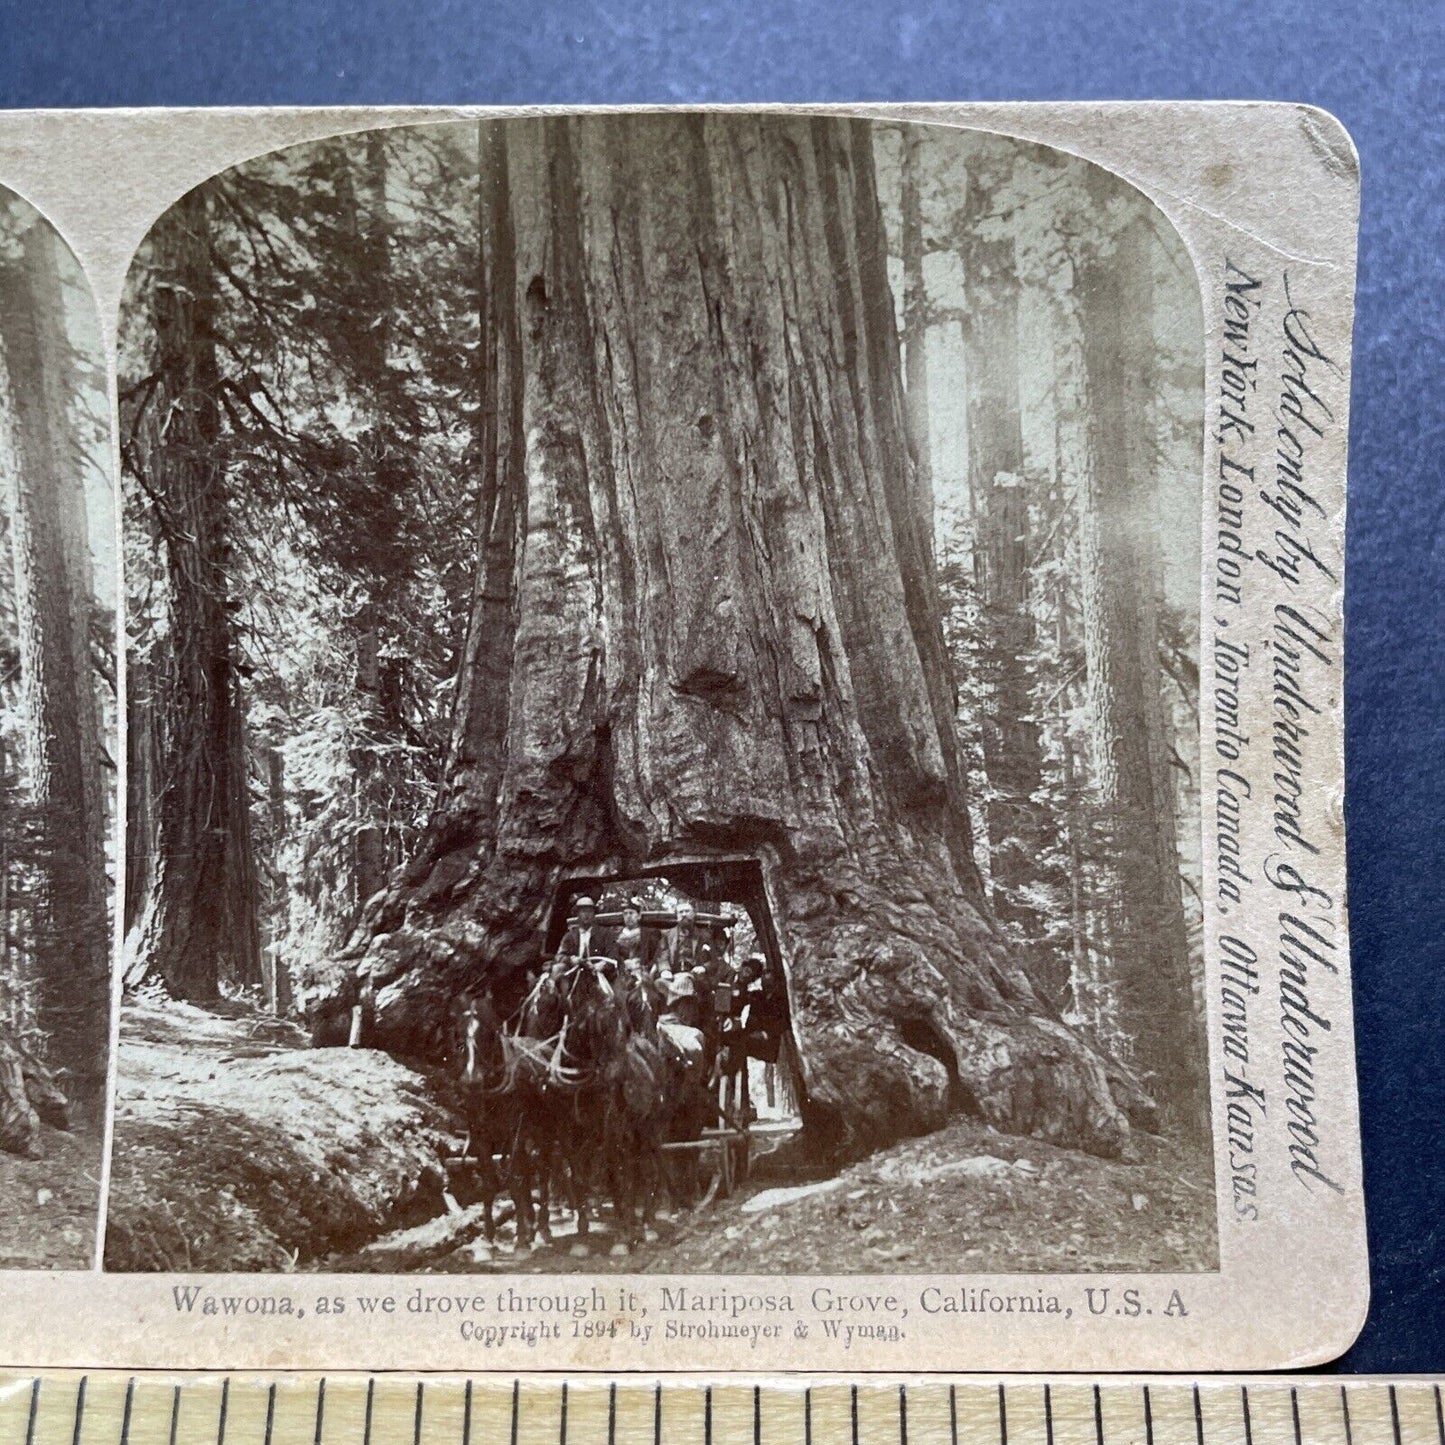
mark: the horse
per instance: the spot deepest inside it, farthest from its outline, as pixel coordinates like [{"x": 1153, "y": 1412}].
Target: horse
[
  {"x": 488, "y": 1102},
  {"x": 596, "y": 1033},
  {"x": 546, "y": 1082},
  {"x": 641, "y": 1077},
  {"x": 582, "y": 1089}
]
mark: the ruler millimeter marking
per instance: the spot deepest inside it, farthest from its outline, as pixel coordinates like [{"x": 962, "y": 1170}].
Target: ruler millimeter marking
[{"x": 107, "y": 1408}]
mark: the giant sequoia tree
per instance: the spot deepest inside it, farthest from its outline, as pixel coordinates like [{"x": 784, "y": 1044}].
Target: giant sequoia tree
[
  {"x": 196, "y": 927},
  {"x": 299, "y": 408},
  {"x": 42, "y": 470},
  {"x": 1120, "y": 591},
  {"x": 1013, "y": 759},
  {"x": 705, "y": 620}
]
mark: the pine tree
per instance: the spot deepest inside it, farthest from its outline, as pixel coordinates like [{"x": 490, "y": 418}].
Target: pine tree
[
  {"x": 1120, "y": 597},
  {"x": 198, "y": 928},
  {"x": 43, "y": 476},
  {"x": 335, "y": 390}
]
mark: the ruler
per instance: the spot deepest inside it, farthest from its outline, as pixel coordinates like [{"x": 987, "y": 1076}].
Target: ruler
[{"x": 112, "y": 1408}]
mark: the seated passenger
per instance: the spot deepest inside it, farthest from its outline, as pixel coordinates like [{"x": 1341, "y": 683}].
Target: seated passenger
[
  {"x": 583, "y": 939},
  {"x": 630, "y": 942},
  {"x": 681, "y": 1001},
  {"x": 678, "y": 1024},
  {"x": 686, "y": 949}
]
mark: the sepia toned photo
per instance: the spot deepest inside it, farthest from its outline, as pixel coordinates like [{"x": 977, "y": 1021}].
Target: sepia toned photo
[
  {"x": 57, "y": 750},
  {"x": 725, "y": 747},
  {"x": 663, "y": 709}
]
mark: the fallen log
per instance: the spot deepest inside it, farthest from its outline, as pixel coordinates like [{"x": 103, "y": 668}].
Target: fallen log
[{"x": 239, "y": 1148}]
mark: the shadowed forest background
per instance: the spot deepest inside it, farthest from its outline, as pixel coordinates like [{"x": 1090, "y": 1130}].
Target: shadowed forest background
[
  {"x": 57, "y": 764},
  {"x": 511, "y": 502}
]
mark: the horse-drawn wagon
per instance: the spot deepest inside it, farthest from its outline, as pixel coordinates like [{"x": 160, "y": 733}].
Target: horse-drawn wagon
[{"x": 621, "y": 1074}]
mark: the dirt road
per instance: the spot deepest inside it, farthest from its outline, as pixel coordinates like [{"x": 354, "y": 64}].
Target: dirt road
[
  {"x": 962, "y": 1200},
  {"x": 237, "y": 1147}
]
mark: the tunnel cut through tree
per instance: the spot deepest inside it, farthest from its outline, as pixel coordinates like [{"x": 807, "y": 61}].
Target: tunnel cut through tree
[
  {"x": 734, "y": 914},
  {"x": 706, "y": 622}
]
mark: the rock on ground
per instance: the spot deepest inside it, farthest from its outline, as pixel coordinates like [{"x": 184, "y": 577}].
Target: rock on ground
[
  {"x": 778, "y": 1198},
  {"x": 238, "y": 1148}
]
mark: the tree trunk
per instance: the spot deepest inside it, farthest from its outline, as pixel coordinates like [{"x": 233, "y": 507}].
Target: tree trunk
[
  {"x": 278, "y": 993},
  {"x": 370, "y": 864},
  {"x": 480, "y": 722},
  {"x": 304, "y": 1154},
  {"x": 367, "y": 202},
  {"x": 29, "y": 1096},
  {"x": 1121, "y": 588},
  {"x": 915, "y": 328},
  {"x": 706, "y": 623},
  {"x": 1013, "y": 761},
  {"x": 199, "y": 927},
  {"x": 54, "y": 595},
  {"x": 1074, "y": 991},
  {"x": 142, "y": 749}
]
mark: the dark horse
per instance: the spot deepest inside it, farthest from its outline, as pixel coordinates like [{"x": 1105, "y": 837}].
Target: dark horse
[
  {"x": 596, "y": 1031},
  {"x": 637, "y": 1084},
  {"x": 546, "y": 1083},
  {"x": 488, "y": 1101},
  {"x": 581, "y": 1088}
]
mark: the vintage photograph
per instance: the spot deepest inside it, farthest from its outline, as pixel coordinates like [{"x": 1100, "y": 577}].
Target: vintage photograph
[
  {"x": 57, "y": 750},
  {"x": 662, "y": 709}
]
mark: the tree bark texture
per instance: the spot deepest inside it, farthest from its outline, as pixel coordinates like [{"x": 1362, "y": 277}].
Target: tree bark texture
[
  {"x": 915, "y": 327},
  {"x": 1120, "y": 595},
  {"x": 142, "y": 786},
  {"x": 373, "y": 857},
  {"x": 54, "y": 595},
  {"x": 198, "y": 929},
  {"x": 706, "y": 623},
  {"x": 1013, "y": 761}
]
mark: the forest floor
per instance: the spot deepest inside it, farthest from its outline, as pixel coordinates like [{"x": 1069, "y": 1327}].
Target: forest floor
[
  {"x": 238, "y": 1147},
  {"x": 962, "y": 1200},
  {"x": 47, "y": 1217}
]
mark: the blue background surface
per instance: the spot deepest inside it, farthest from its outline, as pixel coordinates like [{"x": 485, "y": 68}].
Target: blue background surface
[{"x": 1377, "y": 66}]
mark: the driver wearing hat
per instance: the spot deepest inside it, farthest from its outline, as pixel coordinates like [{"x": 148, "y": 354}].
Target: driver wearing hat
[{"x": 583, "y": 939}]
